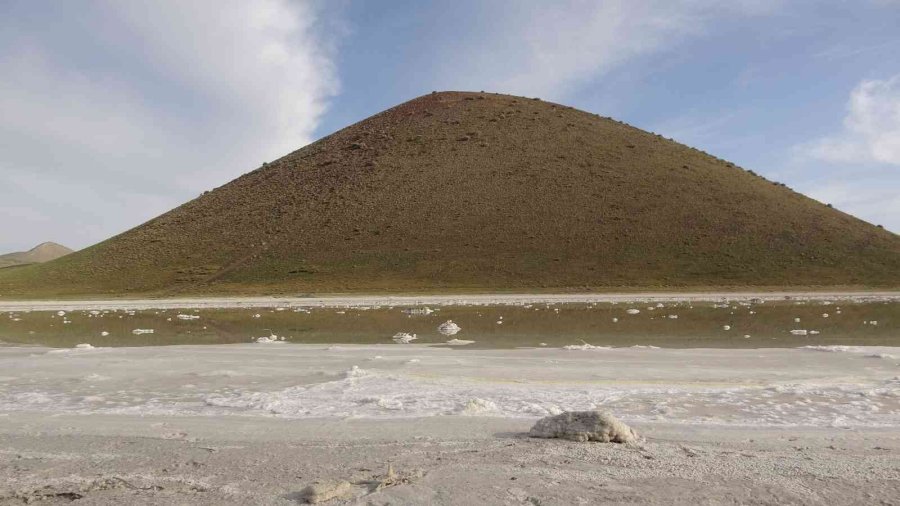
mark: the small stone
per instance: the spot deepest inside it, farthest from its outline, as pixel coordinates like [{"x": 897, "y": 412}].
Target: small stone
[{"x": 583, "y": 426}]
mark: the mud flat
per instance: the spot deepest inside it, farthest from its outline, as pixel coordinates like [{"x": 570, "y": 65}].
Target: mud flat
[{"x": 257, "y": 423}]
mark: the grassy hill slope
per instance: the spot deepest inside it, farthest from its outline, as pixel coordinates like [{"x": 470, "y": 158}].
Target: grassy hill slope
[{"x": 476, "y": 191}]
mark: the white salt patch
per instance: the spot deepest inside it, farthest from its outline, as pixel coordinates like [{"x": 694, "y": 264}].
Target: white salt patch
[
  {"x": 188, "y": 317},
  {"x": 585, "y": 346},
  {"x": 404, "y": 338},
  {"x": 459, "y": 342},
  {"x": 835, "y": 348},
  {"x": 142, "y": 331},
  {"x": 884, "y": 355},
  {"x": 60, "y": 313},
  {"x": 269, "y": 339},
  {"x": 104, "y": 333},
  {"x": 633, "y": 311},
  {"x": 799, "y": 332},
  {"x": 673, "y": 316},
  {"x": 478, "y": 406},
  {"x": 84, "y": 346},
  {"x": 448, "y": 328},
  {"x": 726, "y": 327},
  {"x": 615, "y": 320}
]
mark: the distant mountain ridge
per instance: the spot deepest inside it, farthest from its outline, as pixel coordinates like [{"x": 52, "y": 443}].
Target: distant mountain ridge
[
  {"x": 41, "y": 253},
  {"x": 482, "y": 192}
]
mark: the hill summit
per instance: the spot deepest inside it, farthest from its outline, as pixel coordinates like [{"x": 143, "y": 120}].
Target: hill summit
[
  {"x": 483, "y": 192},
  {"x": 43, "y": 252}
]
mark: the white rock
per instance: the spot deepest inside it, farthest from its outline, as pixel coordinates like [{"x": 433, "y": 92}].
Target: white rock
[
  {"x": 448, "y": 328},
  {"x": 584, "y": 426},
  {"x": 188, "y": 317},
  {"x": 404, "y": 338},
  {"x": 142, "y": 331},
  {"x": 632, "y": 311},
  {"x": 799, "y": 332},
  {"x": 104, "y": 333},
  {"x": 726, "y": 327},
  {"x": 459, "y": 342}
]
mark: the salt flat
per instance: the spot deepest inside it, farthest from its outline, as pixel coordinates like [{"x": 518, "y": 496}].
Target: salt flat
[
  {"x": 434, "y": 300},
  {"x": 255, "y": 423}
]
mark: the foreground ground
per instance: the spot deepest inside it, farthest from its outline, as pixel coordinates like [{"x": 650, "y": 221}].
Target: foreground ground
[
  {"x": 256, "y": 423},
  {"x": 115, "y": 460}
]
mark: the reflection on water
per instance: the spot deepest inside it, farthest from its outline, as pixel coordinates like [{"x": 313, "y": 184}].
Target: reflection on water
[{"x": 673, "y": 325}]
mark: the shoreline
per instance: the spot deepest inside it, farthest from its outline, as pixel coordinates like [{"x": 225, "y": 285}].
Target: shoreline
[{"x": 348, "y": 301}]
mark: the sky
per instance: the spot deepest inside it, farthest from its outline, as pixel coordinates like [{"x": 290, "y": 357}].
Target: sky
[{"x": 113, "y": 112}]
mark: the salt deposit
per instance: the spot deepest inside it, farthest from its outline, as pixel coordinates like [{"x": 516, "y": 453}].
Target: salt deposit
[
  {"x": 104, "y": 333},
  {"x": 404, "y": 338},
  {"x": 272, "y": 338},
  {"x": 142, "y": 331},
  {"x": 449, "y": 328},
  {"x": 84, "y": 346},
  {"x": 188, "y": 317},
  {"x": 459, "y": 342},
  {"x": 799, "y": 332},
  {"x": 418, "y": 311},
  {"x": 632, "y": 311},
  {"x": 726, "y": 327},
  {"x": 583, "y": 426},
  {"x": 585, "y": 346}
]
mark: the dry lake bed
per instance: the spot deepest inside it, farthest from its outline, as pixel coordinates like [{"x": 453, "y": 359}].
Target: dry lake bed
[{"x": 732, "y": 406}]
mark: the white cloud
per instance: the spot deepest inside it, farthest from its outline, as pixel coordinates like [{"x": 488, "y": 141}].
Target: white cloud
[
  {"x": 210, "y": 90},
  {"x": 547, "y": 49},
  {"x": 874, "y": 201},
  {"x": 871, "y": 131}
]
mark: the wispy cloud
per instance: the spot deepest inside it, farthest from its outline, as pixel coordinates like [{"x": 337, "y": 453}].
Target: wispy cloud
[
  {"x": 547, "y": 49},
  {"x": 208, "y": 90}
]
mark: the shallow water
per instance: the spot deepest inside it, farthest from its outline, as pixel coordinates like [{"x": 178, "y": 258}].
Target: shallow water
[{"x": 698, "y": 325}]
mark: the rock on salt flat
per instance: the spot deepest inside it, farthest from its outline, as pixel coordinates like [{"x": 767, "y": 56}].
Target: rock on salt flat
[
  {"x": 459, "y": 342},
  {"x": 404, "y": 337},
  {"x": 448, "y": 328},
  {"x": 583, "y": 426}
]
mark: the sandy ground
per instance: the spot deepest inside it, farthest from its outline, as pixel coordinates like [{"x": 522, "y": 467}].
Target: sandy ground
[
  {"x": 255, "y": 424},
  {"x": 434, "y": 300}
]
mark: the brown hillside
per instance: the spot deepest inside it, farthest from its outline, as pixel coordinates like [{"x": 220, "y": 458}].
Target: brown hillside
[
  {"x": 43, "y": 252},
  {"x": 477, "y": 191}
]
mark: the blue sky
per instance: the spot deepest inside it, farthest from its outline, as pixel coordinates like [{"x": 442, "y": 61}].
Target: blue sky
[{"x": 114, "y": 112}]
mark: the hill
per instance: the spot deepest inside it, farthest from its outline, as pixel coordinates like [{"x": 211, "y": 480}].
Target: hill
[
  {"x": 482, "y": 192},
  {"x": 41, "y": 253}
]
